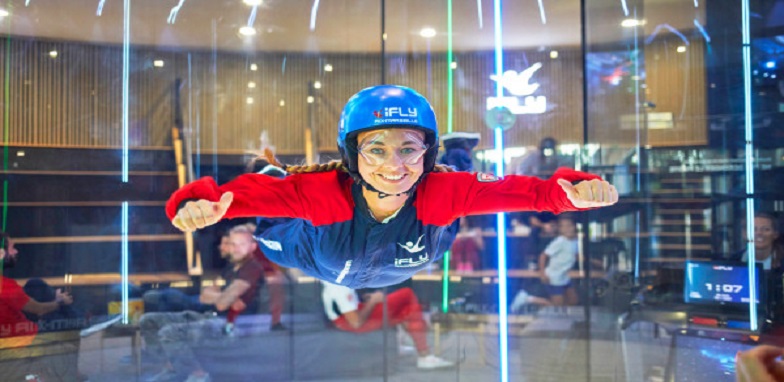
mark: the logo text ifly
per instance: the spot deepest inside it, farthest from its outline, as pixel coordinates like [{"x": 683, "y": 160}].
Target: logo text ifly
[{"x": 390, "y": 112}]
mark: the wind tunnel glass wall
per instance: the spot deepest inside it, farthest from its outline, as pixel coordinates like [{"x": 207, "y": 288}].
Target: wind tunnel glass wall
[
  {"x": 684, "y": 119},
  {"x": 108, "y": 107}
]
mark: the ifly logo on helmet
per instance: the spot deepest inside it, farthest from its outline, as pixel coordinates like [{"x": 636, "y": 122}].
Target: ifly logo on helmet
[{"x": 396, "y": 112}]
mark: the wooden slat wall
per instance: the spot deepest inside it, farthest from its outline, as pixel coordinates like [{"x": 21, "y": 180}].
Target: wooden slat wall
[
  {"x": 75, "y": 99},
  {"x": 675, "y": 83}
]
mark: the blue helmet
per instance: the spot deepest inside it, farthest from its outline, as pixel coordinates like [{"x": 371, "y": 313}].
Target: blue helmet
[{"x": 385, "y": 107}]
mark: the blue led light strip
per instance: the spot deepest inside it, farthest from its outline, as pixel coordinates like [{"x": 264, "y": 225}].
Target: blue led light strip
[
  {"x": 749, "y": 166},
  {"x": 124, "y": 263},
  {"x": 125, "y": 100},
  {"x": 501, "y": 218}
]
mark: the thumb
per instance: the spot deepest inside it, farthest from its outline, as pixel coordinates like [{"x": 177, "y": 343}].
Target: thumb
[
  {"x": 225, "y": 202},
  {"x": 566, "y": 186}
]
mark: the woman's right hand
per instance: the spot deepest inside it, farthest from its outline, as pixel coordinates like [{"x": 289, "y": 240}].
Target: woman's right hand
[{"x": 202, "y": 213}]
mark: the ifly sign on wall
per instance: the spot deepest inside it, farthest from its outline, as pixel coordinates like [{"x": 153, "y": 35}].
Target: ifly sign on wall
[{"x": 519, "y": 85}]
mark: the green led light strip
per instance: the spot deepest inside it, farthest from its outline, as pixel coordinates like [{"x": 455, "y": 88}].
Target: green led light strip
[{"x": 449, "y": 105}]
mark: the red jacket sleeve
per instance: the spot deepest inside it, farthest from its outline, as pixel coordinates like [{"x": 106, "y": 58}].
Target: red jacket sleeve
[
  {"x": 448, "y": 196},
  {"x": 304, "y": 196}
]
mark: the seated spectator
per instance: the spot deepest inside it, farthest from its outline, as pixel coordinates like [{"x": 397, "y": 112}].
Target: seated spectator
[
  {"x": 344, "y": 309},
  {"x": 557, "y": 260},
  {"x": 175, "y": 300},
  {"x": 171, "y": 335},
  {"x": 17, "y": 308}
]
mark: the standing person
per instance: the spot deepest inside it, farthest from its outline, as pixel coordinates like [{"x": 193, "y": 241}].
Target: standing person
[
  {"x": 557, "y": 260},
  {"x": 466, "y": 248},
  {"x": 171, "y": 335},
  {"x": 458, "y": 148},
  {"x": 385, "y": 211},
  {"x": 767, "y": 249},
  {"x": 344, "y": 309}
]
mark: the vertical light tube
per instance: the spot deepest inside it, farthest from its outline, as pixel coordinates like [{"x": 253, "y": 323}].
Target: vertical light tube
[
  {"x": 749, "y": 165},
  {"x": 125, "y": 105},
  {"x": 449, "y": 121},
  {"x": 124, "y": 263},
  {"x": 449, "y": 75},
  {"x": 125, "y": 73},
  {"x": 501, "y": 218}
]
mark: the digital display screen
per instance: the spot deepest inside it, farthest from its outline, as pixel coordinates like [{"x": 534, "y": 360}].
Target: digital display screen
[{"x": 713, "y": 282}]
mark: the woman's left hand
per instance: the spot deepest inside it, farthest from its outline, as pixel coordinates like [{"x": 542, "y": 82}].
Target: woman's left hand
[{"x": 590, "y": 193}]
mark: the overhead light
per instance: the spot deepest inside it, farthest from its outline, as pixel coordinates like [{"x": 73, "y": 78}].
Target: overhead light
[
  {"x": 53, "y": 54},
  {"x": 249, "y": 100},
  {"x": 158, "y": 63},
  {"x": 770, "y": 64},
  {"x": 317, "y": 85},
  {"x": 310, "y": 99},
  {"x": 427, "y": 32},
  {"x": 251, "y": 85},
  {"x": 328, "y": 67},
  {"x": 681, "y": 49},
  {"x": 631, "y": 23},
  {"x": 553, "y": 54},
  {"x": 254, "y": 67},
  {"x": 20, "y": 153},
  {"x": 282, "y": 103},
  {"x": 252, "y": 3},
  {"x": 248, "y": 31},
  {"x": 4, "y": 13},
  {"x": 453, "y": 65}
]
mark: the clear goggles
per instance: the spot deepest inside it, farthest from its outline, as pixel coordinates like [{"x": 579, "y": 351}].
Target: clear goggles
[{"x": 384, "y": 146}]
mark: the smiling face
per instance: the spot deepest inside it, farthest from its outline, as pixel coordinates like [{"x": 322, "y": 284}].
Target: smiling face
[
  {"x": 391, "y": 160},
  {"x": 764, "y": 233}
]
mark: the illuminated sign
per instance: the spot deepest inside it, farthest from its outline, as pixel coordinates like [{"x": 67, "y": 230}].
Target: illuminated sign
[{"x": 520, "y": 87}]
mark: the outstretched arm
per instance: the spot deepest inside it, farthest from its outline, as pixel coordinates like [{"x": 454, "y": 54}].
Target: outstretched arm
[
  {"x": 449, "y": 196},
  {"x": 203, "y": 203}
]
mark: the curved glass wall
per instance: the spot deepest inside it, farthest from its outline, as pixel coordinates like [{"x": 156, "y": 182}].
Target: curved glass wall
[{"x": 108, "y": 107}]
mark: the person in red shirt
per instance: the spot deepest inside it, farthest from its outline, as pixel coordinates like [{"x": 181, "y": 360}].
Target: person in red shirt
[
  {"x": 348, "y": 313},
  {"x": 15, "y": 329}
]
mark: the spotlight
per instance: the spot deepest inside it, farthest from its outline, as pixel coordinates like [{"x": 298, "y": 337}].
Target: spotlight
[
  {"x": 427, "y": 32},
  {"x": 248, "y": 31},
  {"x": 631, "y": 23}
]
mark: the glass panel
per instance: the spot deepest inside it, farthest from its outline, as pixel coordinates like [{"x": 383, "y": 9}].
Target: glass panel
[
  {"x": 110, "y": 107},
  {"x": 669, "y": 117}
]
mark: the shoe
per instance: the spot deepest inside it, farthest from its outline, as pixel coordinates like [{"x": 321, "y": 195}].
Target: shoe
[
  {"x": 199, "y": 378},
  {"x": 432, "y": 362},
  {"x": 167, "y": 375},
  {"x": 278, "y": 327},
  {"x": 406, "y": 349}
]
